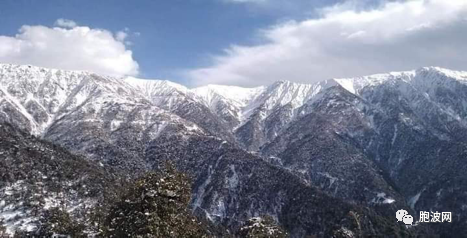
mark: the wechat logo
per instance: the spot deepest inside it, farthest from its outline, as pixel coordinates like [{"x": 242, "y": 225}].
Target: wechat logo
[{"x": 403, "y": 216}]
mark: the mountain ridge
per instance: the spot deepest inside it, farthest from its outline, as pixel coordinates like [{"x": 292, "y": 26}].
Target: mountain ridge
[
  {"x": 376, "y": 141},
  {"x": 233, "y": 117}
]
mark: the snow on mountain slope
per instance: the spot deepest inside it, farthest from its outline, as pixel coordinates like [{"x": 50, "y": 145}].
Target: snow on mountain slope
[
  {"x": 37, "y": 176},
  {"x": 151, "y": 86},
  {"x": 271, "y": 112},
  {"x": 36, "y": 93},
  {"x": 354, "y": 85},
  {"x": 442, "y": 89},
  {"x": 228, "y": 102},
  {"x": 231, "y": 103},
  {"x": 279, "y": 104},
  {"x": 104, "y": 118},
  {"x": 284, "y": 92},
  {"x": 288, "y": 93},
  {"x": 161, "y": 92},
  {"x": 422, "y": 77},
  {"x": 183, "y": 102},
  {"x": 38, "y": 98},
  {"x": 238, "y": 96},
  {"x": 413, "y": 124}
]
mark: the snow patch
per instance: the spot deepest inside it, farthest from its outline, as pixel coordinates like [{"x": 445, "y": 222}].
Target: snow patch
[
  {"x": 413, "y": 200},
  {"x": 382, "y": 198},
  {"x": 232, "y": 181}
]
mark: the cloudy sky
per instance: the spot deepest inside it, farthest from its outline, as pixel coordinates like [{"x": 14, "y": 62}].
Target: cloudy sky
[{"x": 235, "y": 42}]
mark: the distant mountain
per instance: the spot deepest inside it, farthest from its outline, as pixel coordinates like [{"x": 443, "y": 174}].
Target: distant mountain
[
  {"x": 378, "y": 143},
  {"x": 102, "y": 117},
  {"x": 403, "y": 132}
]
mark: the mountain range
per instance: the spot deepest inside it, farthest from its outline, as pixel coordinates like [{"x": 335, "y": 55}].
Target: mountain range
[{"x": 308, "y": 155}]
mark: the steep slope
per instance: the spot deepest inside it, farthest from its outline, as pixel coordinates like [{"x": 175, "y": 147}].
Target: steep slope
[
  {"x": 183, "y": 102},
  {"x": 380, "y": 142},
  {"x": 271, "y": 111},
  {"x": 36, "y": 175},
  {"x": 232, "y": 185},
  {"x": 229, "y": 103},
  {"x": 103, "y": 117},
  {"x": 257, "y": 115},
  {"x": 411, "y": 125},
  {"x": 227, "y": 190},
  {"x": 421, "y": 139},
  {"x": 343, "y": 171},
  {"x": 114, "y": 127},
  {"x": 31, "y": 96}
]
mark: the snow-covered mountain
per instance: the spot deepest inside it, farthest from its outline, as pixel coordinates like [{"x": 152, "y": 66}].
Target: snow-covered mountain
[
  {"x": 42, "y": 96},
  {"x": 408, "y": 127},
  {"x": 84, "y": 112},
  {"x": 383, "y": 141}
]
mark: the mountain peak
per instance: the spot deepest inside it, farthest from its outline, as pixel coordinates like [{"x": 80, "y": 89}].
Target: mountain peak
[
  {"x": 458, "y": 75},
  {"x": 282, "y": 83},
  {"x": 36, "y": 69},
  {"x": 279, "y": 82},
  {"x": 153, "y": 87},
  {"x": 232, "y": 93}
]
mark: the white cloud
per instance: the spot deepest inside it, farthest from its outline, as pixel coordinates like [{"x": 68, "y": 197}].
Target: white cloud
[
  {"x": 65, "y": 23},
  {"x": 121, "y": 35},
  {"x": 70, "y": 47},
  {"x": 346, "y": 41}
]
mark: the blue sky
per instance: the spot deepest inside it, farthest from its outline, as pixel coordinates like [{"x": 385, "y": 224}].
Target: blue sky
[
  {"x": 171, "y": 35},
  {"x": 240, "y": 42}
]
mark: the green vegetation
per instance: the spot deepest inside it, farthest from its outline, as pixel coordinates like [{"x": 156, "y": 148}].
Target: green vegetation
[
  {"x": 155, "y": 206},
  {"x": 58, "y": 222}
]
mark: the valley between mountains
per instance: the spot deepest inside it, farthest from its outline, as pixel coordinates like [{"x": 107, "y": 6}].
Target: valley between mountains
[{"x": 307, "y": 155}]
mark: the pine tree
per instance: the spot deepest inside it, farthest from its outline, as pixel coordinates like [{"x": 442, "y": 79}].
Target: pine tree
[
  {"x": 261, "y": 227},
  {"x": 155, "y": 206},
  {"x": 58, "y": 222}
]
